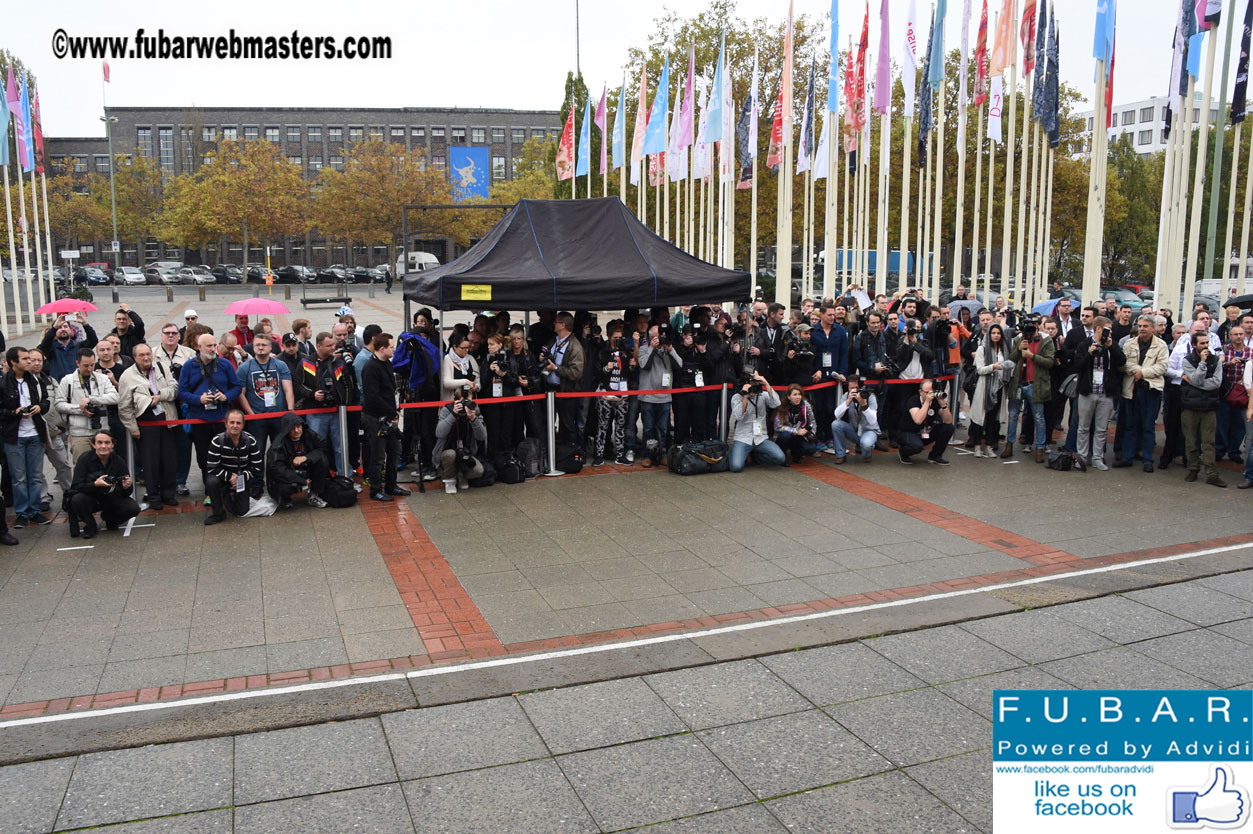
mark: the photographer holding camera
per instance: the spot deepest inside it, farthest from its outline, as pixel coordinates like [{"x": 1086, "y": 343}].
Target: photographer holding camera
[
  {"x": 856, "y": 421},
  {"x": 658, "y": 362},
  {"x": 380, "y": 419},
  {"x": 751, "y": 405},
  {"x": 23, "y": 402},
  {"x": 689, "y": 407},
  {"x": 925, "y": 420},
  {"x": 1144, "y": 376},
  {"x": 102, "y": 485},
  {"x": 613, "y": 365},
  {"x": 235, "y": 472},
  {"x": 1200, "y": 382},
  {"x": 298, "y": 461},
  {"x": 331, "y": 382},
  {"x": 1034, "y": 356},
  {"x": 719, "y": 363},
  {"x": 830, "y": 340},
  {"x": 767, "y": 343},
  {"x": 459, "y": 435},
  {"x": 84, "y": 398}
]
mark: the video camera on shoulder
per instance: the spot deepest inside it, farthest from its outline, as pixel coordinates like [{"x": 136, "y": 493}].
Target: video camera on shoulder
[{"x": 1029, "y": 327}]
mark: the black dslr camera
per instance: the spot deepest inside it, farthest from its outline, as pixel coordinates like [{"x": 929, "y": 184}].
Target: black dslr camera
[
  {"x": 96, "y": 415},
  {"x": 754, "y": 386},
  {"x": 467, "y": 399},
  {"x": 663, "y": 334}
]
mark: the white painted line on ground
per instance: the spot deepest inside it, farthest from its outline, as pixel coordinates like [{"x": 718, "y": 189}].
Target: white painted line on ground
[
  {"x": 433, "y": 671},
  {"x": 1008, "y": 462},
  {"x": 130, "y": 525},
  {"x": 80, "y": 547}
]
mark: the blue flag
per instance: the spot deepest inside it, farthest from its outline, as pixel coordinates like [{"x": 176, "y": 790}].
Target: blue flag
[
  {"x": 28, "y": 135},
  {"x": 924, "y": 104},
  {"x": 713, "y": 123},
  {"x": 619, "y": 129},
  {"x": 833, "y": 69},
  {"x": 1195, "y": 43},
  {"x": 4, "y": 124},
  {"x": 1041, "y": 70},
  {"x": 1052, "y": 97},
  {"x": 582, "y": 161},
  {"x": 1103, "y": 41},
  {"x": 655, "y": 136},
  {"x": 935, "y": 49}
]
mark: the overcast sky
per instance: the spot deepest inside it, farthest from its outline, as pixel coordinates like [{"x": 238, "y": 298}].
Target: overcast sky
[{"x": 472, "y": 53}]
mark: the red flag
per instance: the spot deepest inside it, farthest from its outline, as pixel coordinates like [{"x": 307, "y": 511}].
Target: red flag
[
  {"x": 981, "y": 58},
  {"x": 860, "y": 112},
  {"x": 1109, "y": 87},
  {"x": 565, "y": 150},
  {"x": 106, "y": 70},
  {"x": 850, "y": 99},
  {"x": 774, "y": 153},
  {"x": 1026, "y": 31},
  {"x": 37, "y": 128}
]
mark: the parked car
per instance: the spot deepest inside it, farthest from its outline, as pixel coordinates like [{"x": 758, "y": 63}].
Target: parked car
[
  {"x": 227, "y": 274},
  {"x": 201, "y": 275},
  {"x": 168, "y": 275},
  {"x": 91, "y": 275},
  {"x": 365, "y": 275},
  {"x": 335, "y": 273},
  {"x": 1124, "y": 296},
  {"x": 295, "y": 274},
  {"x": 131, "y": 276},
  {"x": 256, "y": 273},
  {"x": 103, "y": 266},
  {"x": 167, "y": 264}
]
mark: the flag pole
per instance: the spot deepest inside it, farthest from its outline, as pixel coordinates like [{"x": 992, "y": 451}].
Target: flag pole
[
  {"x": 903, "y": 259},
  {"x": 881, "y": 253},
  {"x": 732, "y": 180},
  {"x": 976, "y": 216},
  {"x": 928, "y": 238},
  {"x": 752, "y": 231},
  {"x": 30, "y": 302},
  {"x": 39, "y": 245},
  {"x": 1034, "y": 206},
  {"x": 987, "y": 261},
  {"x": 845, "y": 254},
  {"x": 1244, "y": 229},
  {"x": 1096, "y": 193},
  {"x": 863, "y": 239},
  {"x": 1028, "y": 159},
  {"x": 830, "y": 202},
  {"x": 691, "y": 194},
  {"x": 1231, "y": 210},
  {"x": 1198, "y": 181},
  {"x": 939, "y": 193},
  {"x": 8, "y": 217},
  {"x": 1010, "y": 97},
  {"x": 1178, "y": 237},
  {"x": 1166, "y": 214},
  {"x": 1048, "y": 219},
  {"x": 52, "y": 294},
  {"x": 1216, "y": 180}
]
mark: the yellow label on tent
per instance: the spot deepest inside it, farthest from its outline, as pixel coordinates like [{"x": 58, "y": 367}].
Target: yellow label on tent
[{"x": 476, "y": 292}]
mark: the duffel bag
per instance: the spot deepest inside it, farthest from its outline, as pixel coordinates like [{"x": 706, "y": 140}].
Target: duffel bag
[
  {"x": 339, "y": 492},
  {"x": 487, "y": 478},
  {"x": 569, "y": 458},
  {"x": 509, "y": 470},
  {"x": 699, "y": 458}
]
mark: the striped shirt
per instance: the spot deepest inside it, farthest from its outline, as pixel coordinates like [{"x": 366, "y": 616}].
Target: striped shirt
[{"x": 226, "y": 458}]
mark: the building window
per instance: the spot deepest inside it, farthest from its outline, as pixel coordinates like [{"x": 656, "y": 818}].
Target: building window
[
  {"x": 271, "y": 135},
  {"x": 337, "y": 162},
  {"x": 398, "y": 134},
  {"x": 356, "y": 133},
  {"x": 165, "y": 136},
  {"x": 478, "y": 135},
  {"x": 102, "y": 163},
  {"x": 1146, "y": 114},
  {"x": 184, "y": 139},
  {"x": 417, "y": 132},
  {"x": 143, "y": 141},
  {"x": 334, "y": 134},
  {"x": 293, "y": 133},
  {"x": 437, "y": 133},
  {"x": 517, "y": 165},
  {"x": 315, "y": 163},
  {"x": 498, "y": 134},
  {"x": 315, "y": 133},
  {"x": 230, "y": 134},
  {"x": 1089, "y": 122},
  {"x": 206, "y": 160},
  {"x": 555, "y": 133},
  {"x": 208, "y": 134},
  {"x": 294, "y": 160},
  {"x": 376, "y": 134},
  {"x": 80, "y": 165},
  {"x": 458, "y": 135},
  {"x": 536, "y": 133},
  {"x": 437, "y": 161},
  {"x": 1146, "y": 136},
  {"x": 498, "y": 167},
  {"x": 250, "y": 133}
]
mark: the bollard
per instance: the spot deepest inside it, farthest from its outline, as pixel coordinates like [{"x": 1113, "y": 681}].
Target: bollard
[
  {"x": 342, "y": 416},
  {"x": 550, "y": 411},
  {"x": 722, "y": 413},
  {"x": 256, "y": 292},
  {"x": 201, "y": 291},
  {"x": 169, "y": 295},
  {"x": 287, "y": 292},
  {"x": 371, "y": 289},
  {"x": 115, "y": 298}
]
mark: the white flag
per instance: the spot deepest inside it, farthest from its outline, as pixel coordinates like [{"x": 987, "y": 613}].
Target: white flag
[
  {"x": 995, "y": 103},
  {"x": 756, "y": 110},
  {"x": 909, "y": 74},
  {"x": 963, "y": 99},
  {"x": 821, "y": 168}
]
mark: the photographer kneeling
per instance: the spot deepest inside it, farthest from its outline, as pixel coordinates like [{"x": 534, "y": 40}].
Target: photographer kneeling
[
  {"x": 926, "y": 419},
  {"x": 459, "y": 435},
  {"x": 101, "y": 484},
  {"x": 750, "y": 406}
]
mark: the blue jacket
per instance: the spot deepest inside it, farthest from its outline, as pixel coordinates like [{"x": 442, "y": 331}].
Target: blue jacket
[
  {"x": 192, "y": 383},
  {"x": 835, "y": 346},
  {"x": 61, "y": 360}
]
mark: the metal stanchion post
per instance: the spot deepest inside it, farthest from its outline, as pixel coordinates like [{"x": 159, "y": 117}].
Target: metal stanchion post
[
  {"x": 130, "y": 467},
  {"x": 550, "y": 412},
  {"x": 722, "y": 412},
  {"x": 342, "y": 416}
]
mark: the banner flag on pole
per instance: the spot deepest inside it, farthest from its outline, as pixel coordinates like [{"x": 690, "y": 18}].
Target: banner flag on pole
[
  {"x": 909, "y": 66},
  {"x": 1109, "y": 88},
  {"x": 619, "y": 129},
  {"x": 583, "y": 162},
  {"x": 1004, "y": 52},
  {"x": 1239, "y": 100},
  {"x": 1026, "y": 31},
  {"x": 963, "y": 96},
  {"x": 106, "y": 71},
  {"x": 1196, "y": 44},
  {"x": 833, "y": 68},
  {"x": 1103, "y": 39},
  {"x": 1041, "y": 56},
  {"x": 700, "y": 156},
  {"x": 742, "y": 130},
  {"x": 883, "y": 75},
  {"x": 862, "y": 110},
  {"x": 756, "y": 110},
  {"x": 37, "y": 126},
  {"x": 4, "y": 127},
  {"x": 26, "y": 142},
  {"x": 804, "y": 153},
  {"x": 995, "y": 107},
  {"x": 981, "y": 57},
  {"x": 1052, "y": 92},
  {"x": 936, "y": 73},
  {"x": 687, "y": 102},
  {"x": 601, "y": 116},
  {"x": 850, "y": 101},
  {"x": 655, "y": 135},
  {"x": 712, "y": 129},
  {"x": 1185, "y": 27},
  {"x": 565, "y": 149},
  {"x": 673, "y": 154},
  {"x": 822, "y": 166},
  {"x": 924, "y": 103},
  {"x": 1208, "y": 13},
  {"x": 641, "y": 125},
  {"x": 774, "y": 152}
]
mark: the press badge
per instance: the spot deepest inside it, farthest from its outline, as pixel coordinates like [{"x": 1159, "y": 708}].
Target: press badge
[
  {"x": 826, "y": 360},
  {"x": 1098, "y": 377},
  {"x": 665, "y": 380},
  {"x": 269, "y": 399},
  {"x": 756, "y": 429},
  {"x": 700, "y": 380},
  {"x": 498, "y": 389},
  {"x": 926, "y": 431},
  {"x": 620, "y": 385}
]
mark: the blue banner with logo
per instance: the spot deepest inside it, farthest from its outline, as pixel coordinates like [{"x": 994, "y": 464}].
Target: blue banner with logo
[{"x": 469, "y": 172}]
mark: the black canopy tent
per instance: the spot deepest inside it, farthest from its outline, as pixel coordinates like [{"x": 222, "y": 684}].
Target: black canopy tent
[{"x": 574, "y": 255}]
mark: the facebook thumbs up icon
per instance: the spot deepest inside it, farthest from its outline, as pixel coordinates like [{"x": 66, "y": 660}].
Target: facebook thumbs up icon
[{"x": 1222, "y": 804}]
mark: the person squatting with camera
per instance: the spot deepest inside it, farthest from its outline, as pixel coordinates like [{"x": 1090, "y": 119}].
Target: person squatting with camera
[{"x": 460, "y": 437}]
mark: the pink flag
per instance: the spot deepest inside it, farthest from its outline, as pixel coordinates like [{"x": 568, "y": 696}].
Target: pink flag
[
  {"x": 687, "y": 131},
  {"x": 106, "y": 71},
  {"x": 641, "y": 127},
  {"x": 883, "y": 77},
  {"x": 599, "y": 119},
  {"x": 565, "y": 149},
  {"x": 14, "y": 99}
]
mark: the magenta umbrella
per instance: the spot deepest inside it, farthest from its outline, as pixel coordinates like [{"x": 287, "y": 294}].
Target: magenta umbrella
[
  {"x": 67, "y": 305},
  {"x": 256, "y": 307}
]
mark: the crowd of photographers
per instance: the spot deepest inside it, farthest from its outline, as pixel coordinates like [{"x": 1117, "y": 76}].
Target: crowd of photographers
[{"x": 839, "y": 377}]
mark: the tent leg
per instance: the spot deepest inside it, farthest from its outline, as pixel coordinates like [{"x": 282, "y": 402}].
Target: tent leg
[
  {"x": 406, "y": 324},
  {"x": 342, "y": 417},
  {"x": 550, "y": 412},
  {"x": 722, "y": 412}
]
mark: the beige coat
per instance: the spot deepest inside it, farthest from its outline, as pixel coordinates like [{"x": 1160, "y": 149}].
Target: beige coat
[
  {"x": 134, "y": 395},
  {"x": 1154, "y": 367}
]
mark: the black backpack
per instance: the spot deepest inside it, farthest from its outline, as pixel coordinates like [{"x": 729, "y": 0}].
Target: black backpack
[
  {"x": 509, "y": 470},
  {"x": 569, "y": 458},
  {"x": 699, "y": 458},
  {"x": 529, "y": 453},
  {"x": 339, "y": 492}
]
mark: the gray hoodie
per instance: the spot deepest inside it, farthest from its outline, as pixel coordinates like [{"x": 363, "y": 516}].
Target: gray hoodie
[{"x": 654, "y": 362}]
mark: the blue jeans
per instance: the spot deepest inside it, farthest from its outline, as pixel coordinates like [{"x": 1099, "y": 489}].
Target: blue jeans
[
  {"x": 1072, "y": 427},
  {"x": 1037, "y": 412},
  {"x": 764, "y": 453},
  {"x": 656, "y": 426},
  {"x": 327, "y": 427},
  {"x": 1141, "y": 431},
  {"x": 843, "y": 433},
  {"x": 1230, "y": 431},
  {"x": 25, "y": 459},
  {"x": 1248, "y": 460}
]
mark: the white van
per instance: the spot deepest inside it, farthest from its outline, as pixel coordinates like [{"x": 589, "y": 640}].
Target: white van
[{"x": 417, "y": 262}]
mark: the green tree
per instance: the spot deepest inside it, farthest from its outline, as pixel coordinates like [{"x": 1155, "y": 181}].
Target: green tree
[
  {"x": 140, "y": 199},
  {"x": 251, "y": 190}
]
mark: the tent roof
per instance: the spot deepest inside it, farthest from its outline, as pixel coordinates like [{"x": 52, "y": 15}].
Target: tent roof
[{"x": 573, "y": 254}]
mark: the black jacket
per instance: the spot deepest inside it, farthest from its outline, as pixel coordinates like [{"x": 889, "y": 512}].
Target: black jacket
[
  {"x": 10, "y": 402},
  {"x": 871, "y": 351},
  {"x": 279, "y": 470},
  {"x": 133, "y": 336},
  {"x": 1195, "y": 398},
  {"x": 1084, "y": 365},
  {"x": 905, "y": 351},
  {"x": 378, "y": 389},
  {"x": 299, "y": 391},
  {"x": 89, "y": 467}
]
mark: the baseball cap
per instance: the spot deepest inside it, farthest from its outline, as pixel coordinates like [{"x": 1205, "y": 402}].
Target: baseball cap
[
  {"x": 290, "y": 339},
  {"x": 190, "y": 314},
  {"x": 344, "y": 311},
  {"x": 801, "y": 327}
]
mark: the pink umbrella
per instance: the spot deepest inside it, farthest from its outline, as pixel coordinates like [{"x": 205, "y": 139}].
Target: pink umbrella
[
  {"x": 67, "y": 305},
  {"x": 256, "y": 307}
]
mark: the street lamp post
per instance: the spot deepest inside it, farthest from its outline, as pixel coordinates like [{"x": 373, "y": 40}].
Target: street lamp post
[{"x": 109, "y": 121}]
